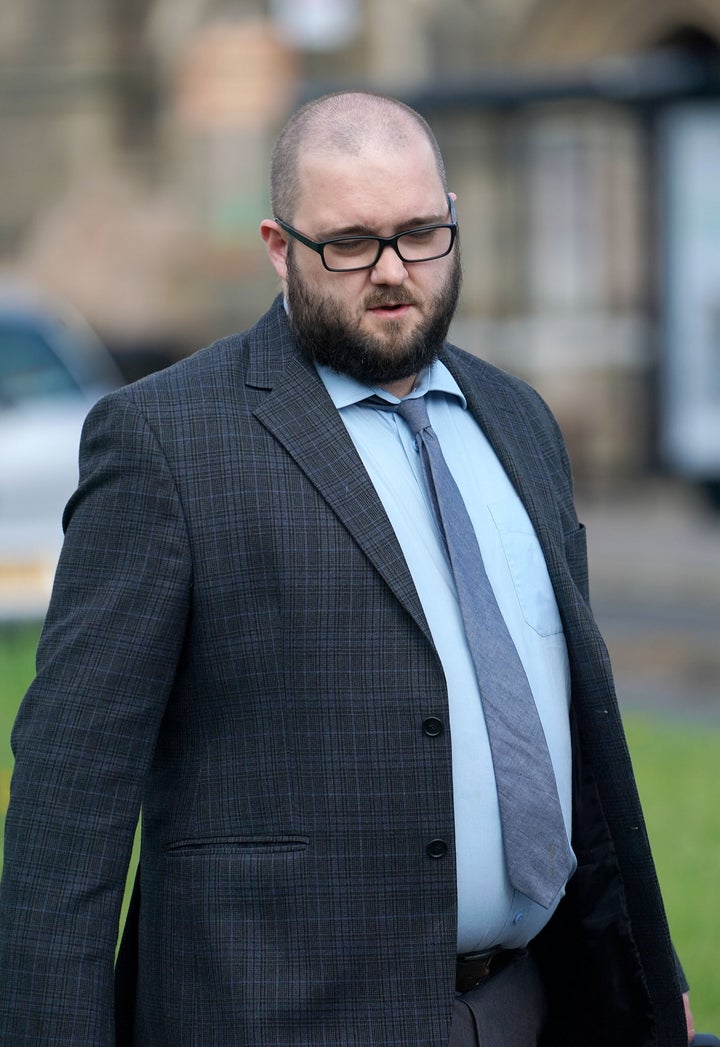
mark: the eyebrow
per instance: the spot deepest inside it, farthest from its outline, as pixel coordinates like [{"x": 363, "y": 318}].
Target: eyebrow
[{"x": 366, "y": 230}]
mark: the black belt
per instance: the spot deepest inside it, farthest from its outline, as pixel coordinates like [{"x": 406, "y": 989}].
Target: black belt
[{"x": 474, "y": 968}]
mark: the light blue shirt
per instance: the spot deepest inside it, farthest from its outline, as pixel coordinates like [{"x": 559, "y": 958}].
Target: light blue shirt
[{"x": 490, "y": 912}]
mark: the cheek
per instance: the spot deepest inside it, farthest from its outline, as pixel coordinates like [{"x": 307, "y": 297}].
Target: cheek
[
  {"x": 346, "y": 291},
  {"x": 435, "y": 281}
]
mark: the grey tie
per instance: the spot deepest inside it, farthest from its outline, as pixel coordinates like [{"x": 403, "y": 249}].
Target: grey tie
[{"x": 538, "y": 857}]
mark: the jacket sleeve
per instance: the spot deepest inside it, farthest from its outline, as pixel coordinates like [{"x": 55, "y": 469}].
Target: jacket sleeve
[{"x": 85, "y": 733}]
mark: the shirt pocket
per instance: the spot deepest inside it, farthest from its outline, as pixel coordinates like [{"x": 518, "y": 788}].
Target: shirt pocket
[{"x": 527, "y": 568}]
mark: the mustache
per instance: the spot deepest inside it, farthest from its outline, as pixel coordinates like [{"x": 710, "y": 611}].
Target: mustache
[{"x": 384, "y": 299}]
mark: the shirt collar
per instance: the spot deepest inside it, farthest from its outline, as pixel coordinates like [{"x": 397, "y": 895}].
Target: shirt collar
[{"x": 345, "y": 391}]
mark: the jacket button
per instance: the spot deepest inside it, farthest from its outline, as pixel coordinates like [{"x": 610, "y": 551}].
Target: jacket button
[
  {"x": 432, "y": 727},
  {"x": 437, "y": 848}
]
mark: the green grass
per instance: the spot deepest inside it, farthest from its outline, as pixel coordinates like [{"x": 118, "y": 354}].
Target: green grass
[
  {"x": 676, "y": 769},
  {"x": 17, "y": 665},
  {"x": 675, "y": 764}
]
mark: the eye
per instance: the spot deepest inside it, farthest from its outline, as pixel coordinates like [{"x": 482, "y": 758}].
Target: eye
[
  {"x": 421, "y": 236},
  {"x": 353, "y": 246}
]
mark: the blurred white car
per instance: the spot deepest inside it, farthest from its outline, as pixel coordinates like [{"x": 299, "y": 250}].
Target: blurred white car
[{"x": 52, "y": 370}]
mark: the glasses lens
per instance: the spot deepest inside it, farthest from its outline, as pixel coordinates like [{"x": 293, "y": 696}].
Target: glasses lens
[
  {"x": 421, "y": 244},
  {"x": 351, "y": 254}
]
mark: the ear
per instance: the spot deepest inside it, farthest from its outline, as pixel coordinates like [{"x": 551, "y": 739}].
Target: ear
[{"x": 277, "y": 245}]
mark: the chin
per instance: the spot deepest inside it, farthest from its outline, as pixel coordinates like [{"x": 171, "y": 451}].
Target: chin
[{"x": 395, "y": 334}]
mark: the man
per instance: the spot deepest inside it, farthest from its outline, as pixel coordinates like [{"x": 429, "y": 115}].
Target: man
[{"x": 256, "y": 634}]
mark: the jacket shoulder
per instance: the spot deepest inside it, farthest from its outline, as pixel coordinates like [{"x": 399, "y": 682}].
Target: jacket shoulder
[
  {"x": 224, "y": 371},
  {"x": 483, "y": 379}
]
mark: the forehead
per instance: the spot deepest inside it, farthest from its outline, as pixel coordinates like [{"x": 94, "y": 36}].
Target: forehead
[{"x": 378, "y": 186}]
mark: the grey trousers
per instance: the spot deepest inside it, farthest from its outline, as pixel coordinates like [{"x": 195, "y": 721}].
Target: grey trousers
[{"x": 508, "y": 1010}]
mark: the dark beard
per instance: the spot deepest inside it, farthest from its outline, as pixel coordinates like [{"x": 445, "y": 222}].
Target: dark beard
[{"x": 325, "y": 337}]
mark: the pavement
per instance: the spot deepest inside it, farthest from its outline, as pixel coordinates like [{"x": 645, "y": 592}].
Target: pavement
[{"x": 655, "y": 587}]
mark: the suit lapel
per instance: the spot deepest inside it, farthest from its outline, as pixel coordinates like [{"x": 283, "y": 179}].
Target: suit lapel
[{"x": 301, "y": 416}]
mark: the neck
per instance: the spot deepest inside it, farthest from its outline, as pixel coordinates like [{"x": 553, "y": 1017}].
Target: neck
[{"x": 400, "y": 388}]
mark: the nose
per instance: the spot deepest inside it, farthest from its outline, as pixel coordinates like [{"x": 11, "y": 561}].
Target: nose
[{"x": 389, "y": 268}]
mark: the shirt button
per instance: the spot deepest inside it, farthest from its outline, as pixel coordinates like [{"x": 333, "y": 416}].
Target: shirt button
[
  {"x": 437, "y": 848},
  {"x": 432, "y": 727},
  {"x": 518, "y": 917}
]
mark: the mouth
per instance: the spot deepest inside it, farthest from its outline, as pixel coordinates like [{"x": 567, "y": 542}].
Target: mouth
[{"x": 390, "y": 309}]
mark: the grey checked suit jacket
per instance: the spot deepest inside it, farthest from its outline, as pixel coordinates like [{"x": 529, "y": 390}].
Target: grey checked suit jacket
[{"x": 235, "y": 642}]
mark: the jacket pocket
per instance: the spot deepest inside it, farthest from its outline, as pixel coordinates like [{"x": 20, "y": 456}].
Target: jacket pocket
[{"x": 229, "y": 846}]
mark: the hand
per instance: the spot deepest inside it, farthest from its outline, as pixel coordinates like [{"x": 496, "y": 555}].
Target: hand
[{"x": 689, "y": 1018}]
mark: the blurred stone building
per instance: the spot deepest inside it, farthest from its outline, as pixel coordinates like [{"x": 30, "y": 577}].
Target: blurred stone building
[{"x": 136, "y": 136}]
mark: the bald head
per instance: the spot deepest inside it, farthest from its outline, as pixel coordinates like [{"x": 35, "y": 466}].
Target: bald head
[{"x": 348, "y": 123}]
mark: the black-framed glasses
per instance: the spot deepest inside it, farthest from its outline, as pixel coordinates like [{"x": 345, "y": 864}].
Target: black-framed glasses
[{"x": 348, "y": 254}]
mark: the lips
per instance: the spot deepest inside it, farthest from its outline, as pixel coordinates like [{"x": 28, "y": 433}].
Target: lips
[{"x": 388, "y": 307}]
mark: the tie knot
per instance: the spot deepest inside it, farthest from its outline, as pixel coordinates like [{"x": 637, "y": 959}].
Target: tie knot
[{"x": 414, "y": 412}]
